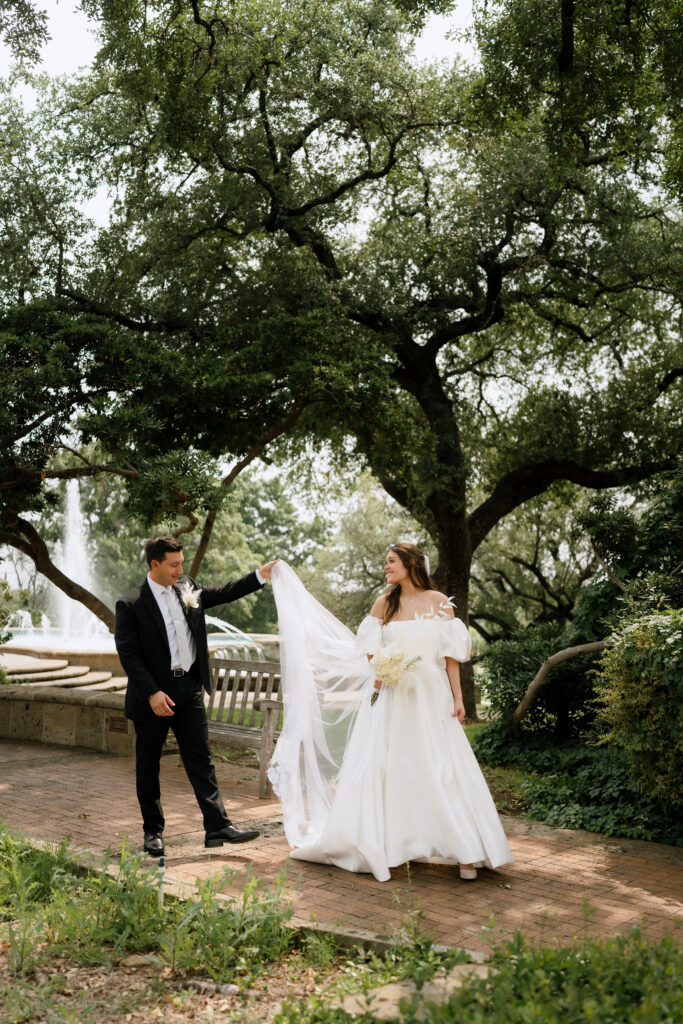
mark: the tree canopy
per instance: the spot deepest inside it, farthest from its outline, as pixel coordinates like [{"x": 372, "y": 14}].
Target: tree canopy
[
  {"x": 23, "y": 29},
  {"x": 469, "y": 278}
]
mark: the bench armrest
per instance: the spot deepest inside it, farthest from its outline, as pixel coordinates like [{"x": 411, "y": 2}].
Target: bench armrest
[{"x": 265, "y": 703}]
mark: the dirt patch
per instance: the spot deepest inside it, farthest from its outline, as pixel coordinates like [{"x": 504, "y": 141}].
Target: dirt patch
[{"x": 138, "y": 989}]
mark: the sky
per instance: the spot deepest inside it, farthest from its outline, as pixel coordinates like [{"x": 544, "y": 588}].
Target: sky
[{"x": 73, "y": 44}]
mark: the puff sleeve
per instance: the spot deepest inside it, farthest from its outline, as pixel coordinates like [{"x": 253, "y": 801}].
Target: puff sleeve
[
  {"x": 369, "y": 636},
  {"x": 454, "y": 640}
]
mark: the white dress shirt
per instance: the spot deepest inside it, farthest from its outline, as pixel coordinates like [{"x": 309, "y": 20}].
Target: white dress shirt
[{"x": 174, "y": 618}]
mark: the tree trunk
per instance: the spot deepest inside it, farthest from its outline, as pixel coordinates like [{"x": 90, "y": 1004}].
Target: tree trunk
[
  {"x": 204, "y": 540},
  {"x": 453, "y": 576}
]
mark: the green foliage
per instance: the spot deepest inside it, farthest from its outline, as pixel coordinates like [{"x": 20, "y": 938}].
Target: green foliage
[
  {"x": 641, "y": 699},
  {"x": 581, "y": 786},
  {"x": 346, "y": 574},
  {"x": 608, "y": 71},
  {"x": 259, "y": 521},
  {"x": 629, "y": 978},
  {"x": 565, "y": 705},
  {"x": 37, "y": 873},
  {"x": 23, "y": 28},
  {"x": 531, "y": 566},
  {"x": 228, "y": 937},
  {"x": 642, "y": 546}
]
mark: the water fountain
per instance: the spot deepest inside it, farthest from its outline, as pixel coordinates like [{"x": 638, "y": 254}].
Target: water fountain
[
  {"x": 79, "y": 631},
  {"x": 21, "y": 619},
  {"x": 78, "y": 624}
]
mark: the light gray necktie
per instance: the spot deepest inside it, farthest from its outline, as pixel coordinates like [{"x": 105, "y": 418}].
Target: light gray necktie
[{"x": 179, "y": 626}]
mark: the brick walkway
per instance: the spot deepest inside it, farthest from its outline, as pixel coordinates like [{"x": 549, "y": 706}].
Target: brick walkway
[{"x": 49, "y": 792}]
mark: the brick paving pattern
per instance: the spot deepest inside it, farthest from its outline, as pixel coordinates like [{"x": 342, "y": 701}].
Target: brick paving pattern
[{"x": 562, "y": 884}]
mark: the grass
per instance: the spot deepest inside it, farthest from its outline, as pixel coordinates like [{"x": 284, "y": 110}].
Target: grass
[{"x": 49, "y": 907}]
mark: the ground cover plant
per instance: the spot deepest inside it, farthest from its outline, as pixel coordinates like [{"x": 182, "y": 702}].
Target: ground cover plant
[
  {"x": 579, "y": 784},
  {"x": 626, "y": 979}
]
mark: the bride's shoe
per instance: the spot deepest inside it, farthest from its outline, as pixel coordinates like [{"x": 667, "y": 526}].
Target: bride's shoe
[{"x": 468, "y": 874}]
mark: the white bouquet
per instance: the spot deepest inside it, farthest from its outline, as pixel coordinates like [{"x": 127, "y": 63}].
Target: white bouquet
[{"x": 392, "y": 664}]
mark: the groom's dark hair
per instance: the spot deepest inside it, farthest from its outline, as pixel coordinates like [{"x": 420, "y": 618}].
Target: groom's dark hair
[{"x": 158, "y": 547}]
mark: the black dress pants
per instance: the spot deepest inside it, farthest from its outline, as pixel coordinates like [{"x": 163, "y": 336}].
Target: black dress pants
[{"x": 191, "y": 730}]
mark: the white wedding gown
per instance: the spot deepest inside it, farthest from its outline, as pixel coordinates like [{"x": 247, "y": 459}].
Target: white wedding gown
[{"x": 369, "y": 787}]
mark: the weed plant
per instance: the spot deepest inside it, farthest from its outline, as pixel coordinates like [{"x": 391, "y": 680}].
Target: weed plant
[{"x": 51, "y": 907}]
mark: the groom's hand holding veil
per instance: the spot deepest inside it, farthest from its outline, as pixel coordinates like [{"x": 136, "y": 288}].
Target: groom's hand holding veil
[{"x": 266, "y": 569}]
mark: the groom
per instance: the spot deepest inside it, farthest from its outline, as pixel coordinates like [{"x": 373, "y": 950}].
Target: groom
[{"x": 161, "y": 641}]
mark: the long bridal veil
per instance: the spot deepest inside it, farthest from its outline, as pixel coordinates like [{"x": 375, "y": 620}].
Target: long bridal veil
[{"x": 325, "y": 685}]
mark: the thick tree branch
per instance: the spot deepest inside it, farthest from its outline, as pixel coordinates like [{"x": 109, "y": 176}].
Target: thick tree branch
[
  {"x": 527, "y": 481},
  {"x": 24, "y": 537},
  {"x": 542, "y": 676},
  {"x": 100, "y": 309},
  {"x": 74, "y": 473},
  {"x": 207, "y": 26},
  {"x": 669, "y": 378},
  {"x": 565, "y": 58}
]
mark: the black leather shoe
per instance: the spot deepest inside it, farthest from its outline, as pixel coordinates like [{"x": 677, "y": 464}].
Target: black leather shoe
[
  {"x": 230, "y": 834},
  {"x": 154, "y": 844}
]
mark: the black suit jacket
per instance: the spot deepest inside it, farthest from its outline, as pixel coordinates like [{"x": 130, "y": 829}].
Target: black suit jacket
[{"x": 142, "y": 640}]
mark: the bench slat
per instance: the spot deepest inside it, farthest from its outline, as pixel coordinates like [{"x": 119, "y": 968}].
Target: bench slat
[{"x": 258, "y": 682}]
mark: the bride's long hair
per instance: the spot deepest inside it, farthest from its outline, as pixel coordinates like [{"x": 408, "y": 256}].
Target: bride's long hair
[{"x": 415, "y": 562}]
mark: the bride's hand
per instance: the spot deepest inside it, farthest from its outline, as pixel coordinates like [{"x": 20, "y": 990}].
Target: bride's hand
[{"x": 458, "y": 709}]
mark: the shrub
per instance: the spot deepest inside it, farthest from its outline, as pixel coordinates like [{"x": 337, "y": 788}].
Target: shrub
[
  {"x": 641, "y": 698},
  {"x": 581, "y": 786},
  {"x": 565, "y": 706}
]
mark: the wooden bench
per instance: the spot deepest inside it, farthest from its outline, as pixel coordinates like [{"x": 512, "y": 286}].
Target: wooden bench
[{"x": 242, "y": 692}]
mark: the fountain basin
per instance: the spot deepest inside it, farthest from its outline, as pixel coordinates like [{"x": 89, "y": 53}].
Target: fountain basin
[
  {"x": 98, "y": 660},
  {"x": 99, "y": 651}
]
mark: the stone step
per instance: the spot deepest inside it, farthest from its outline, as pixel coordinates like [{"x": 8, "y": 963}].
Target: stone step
[
  {"x": 23, "y": 664},
  {"x": 86, "y": 680},
  {"x": 70, "y": 672},
  {"x": 116, "y": 683}
]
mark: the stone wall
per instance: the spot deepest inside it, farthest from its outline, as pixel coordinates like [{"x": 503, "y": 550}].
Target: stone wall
[{"x": 66, "y": 717}]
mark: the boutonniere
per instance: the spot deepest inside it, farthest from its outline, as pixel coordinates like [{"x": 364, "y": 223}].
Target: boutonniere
[{"x": 188, "y": 597}]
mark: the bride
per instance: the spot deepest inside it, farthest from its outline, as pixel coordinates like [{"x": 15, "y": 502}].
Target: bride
[{"x": 372, "y": 767}]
